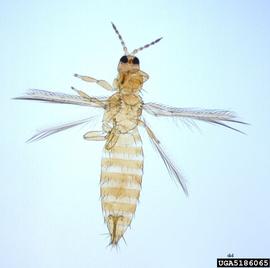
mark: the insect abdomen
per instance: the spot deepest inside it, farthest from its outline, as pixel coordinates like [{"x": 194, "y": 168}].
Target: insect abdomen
[{"x": 121, "y": 177}]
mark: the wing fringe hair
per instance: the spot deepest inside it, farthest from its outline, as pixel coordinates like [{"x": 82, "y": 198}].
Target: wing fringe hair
[
  {"x": 172, "y": 169},
  {"x": 50, "y": 131},
  {"x": 213, "y": 116},
  {"x": 57, "y": 97}
]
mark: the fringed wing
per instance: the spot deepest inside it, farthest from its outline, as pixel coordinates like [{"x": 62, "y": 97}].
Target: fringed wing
[
  {"x": 172, "y": 169},
  {"x": 50, "y": 131},
  {"x": 56, "y": 97},
  {"x": 219, "y": 117}
]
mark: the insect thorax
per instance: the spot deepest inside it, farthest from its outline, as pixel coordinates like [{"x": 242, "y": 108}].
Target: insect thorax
[{"x": 122, "y": 112}]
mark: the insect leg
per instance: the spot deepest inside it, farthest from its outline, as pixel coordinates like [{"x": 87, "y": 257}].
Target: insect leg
[
  {"x": 89, "y": 98},
  {"x": 94, "y": 136},
  {"x": 112, "y": 138},
  {"x": 90, "y": 79}
]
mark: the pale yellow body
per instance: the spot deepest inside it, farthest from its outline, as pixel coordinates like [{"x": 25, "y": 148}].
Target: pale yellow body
[{"x": 122, "y": 161}]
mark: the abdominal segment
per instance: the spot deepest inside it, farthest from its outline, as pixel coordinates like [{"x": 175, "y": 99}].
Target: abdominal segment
[{"x": 121, "y": 177}]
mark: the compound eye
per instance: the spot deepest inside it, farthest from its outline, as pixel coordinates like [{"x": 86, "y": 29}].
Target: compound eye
[
  {"x": 135, "y": 60},
  {"x": 124, "y": 59}
]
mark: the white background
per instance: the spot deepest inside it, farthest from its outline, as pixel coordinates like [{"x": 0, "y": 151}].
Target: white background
[{"x": 215, "y": 54}]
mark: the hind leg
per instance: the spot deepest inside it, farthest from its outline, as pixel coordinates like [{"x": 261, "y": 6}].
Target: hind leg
[
  {"x": 95, "y": 136},
  {"x": 111, "y": 138}
]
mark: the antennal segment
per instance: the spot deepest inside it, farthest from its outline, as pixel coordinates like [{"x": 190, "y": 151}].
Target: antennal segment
[
  {"x": 121, "y": 39},
  {"x": 145, "y": 46}
]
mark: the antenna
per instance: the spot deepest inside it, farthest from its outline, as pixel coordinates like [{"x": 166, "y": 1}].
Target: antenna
[
  {"x": 137, "y": 49},
  {"x": 121, "y": 39},
  {"x": 145, "y": 46}
]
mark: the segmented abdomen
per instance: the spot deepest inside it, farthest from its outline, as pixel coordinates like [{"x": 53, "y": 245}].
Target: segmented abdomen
[{"x": 121, "y": 177}]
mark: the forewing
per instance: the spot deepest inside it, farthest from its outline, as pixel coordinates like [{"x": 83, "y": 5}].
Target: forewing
[
  {"x": 220, "y": 117},
  {"x": 56, "y": 97}
]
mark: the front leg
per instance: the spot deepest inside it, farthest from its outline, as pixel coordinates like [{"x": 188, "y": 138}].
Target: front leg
[{"x": 90, "y": 79}]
